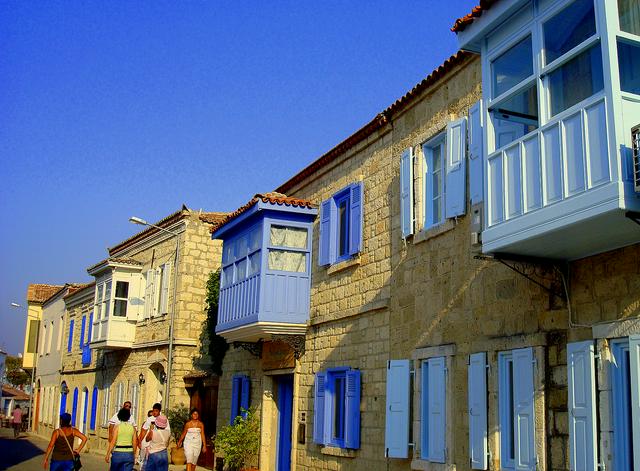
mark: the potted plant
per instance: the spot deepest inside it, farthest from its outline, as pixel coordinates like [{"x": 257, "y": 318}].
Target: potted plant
[
  {"x": 178, "y": 416},
  {"x": 240, "y": 443}
]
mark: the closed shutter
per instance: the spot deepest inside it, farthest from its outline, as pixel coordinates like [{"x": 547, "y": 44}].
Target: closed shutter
[
  {"x": 83, "y": 326},
  {"x": 157, "y": 290},
  {"x": 581, "y": 404},
  {"x": 148, "y": 294},
  {"x": 396, "y": 437},
  {"x": 455, "y": 184},
  {"x": 236, "y": 384},
  {"x": 318, "y": 408},
  {"x": 94, "y": 408},
  {"x": 352, "y": 410},
  {"x": 245, "y": 396},
  {"x": 634, "y": 366},
  {"x": 437, "y": 418},
  {"x": 355, "y": 219},
  {"x": 406, "y": 193},
  {"x": 524, "y": 412},
  {"x": 476, "y": 194},
  {"x": 164, "y": 296},
  {"x": 70, "y": 340},
  {"x": 324, "y": 245},
  {"x": 74, "y": 410},
  {"x": 477, "y": 391},
  {"x": 90, "y": 333}
]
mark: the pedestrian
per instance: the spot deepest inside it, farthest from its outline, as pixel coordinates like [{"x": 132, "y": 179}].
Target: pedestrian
[
  {"x": 16, "y": 421},
  {"x": 123, "y": 444},
  {"x": 114, "y": 420},
  {"x": 155, "y": 412},
  {"x": 61, "y": 445},
  {"x": 158, "y": 437},
  {"x": 194, "y": 439},
  {"x": 144, "y": 445}
]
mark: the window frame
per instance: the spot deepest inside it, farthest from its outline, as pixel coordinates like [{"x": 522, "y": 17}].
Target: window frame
[
  {"x": 342, "y": 197},
  {"x": 232, "y": 260},
  {"x": 117, "y": 299},
  {"x": 506, "y": 410},
  {"x": 331, "y": 406},
  {"x": 268, "y": 247},
  {"x": 439, "y": 140},
  {"x": 352, "y": 195},
  {"x": 619, "y": 407}
]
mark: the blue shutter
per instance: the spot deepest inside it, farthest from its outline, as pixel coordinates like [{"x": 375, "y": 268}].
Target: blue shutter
[
  {"x": 235, "y": 398},
  {"x": 352, "y": 410},
  {"x": 245, "y": 395},
  {"x": 324, "y": 245},
  {"x": 355, "y": 219},
  {"x": 70, "y": 340},
  {"x": 90, "y": 330},
  {"x": 437, "y": 410},
  {"x": 396, "y": 435},
  {"x": 318, "y": 408},
  {"x": 523, "y": 410},
  {"x": 477, "y": 398},
  {"x": 581, "y": 405},
  {"x": 63, "y": 402},
  {"x": 82, "y": 327},
  {"x": 406, "y": 193},
  {"x": 634, "y": 366},
  {"x": 455, "y": 183},
  {"x": 476, "y": 194},
  {"x": 94, "y": 408},
  {"x": 74, "y": 409}
]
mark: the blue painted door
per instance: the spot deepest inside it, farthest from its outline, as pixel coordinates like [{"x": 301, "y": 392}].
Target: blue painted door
[{"x": 285, "y": 408}]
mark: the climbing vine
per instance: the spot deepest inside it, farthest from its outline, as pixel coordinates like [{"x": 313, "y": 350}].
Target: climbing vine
[{"x": 218, "y": 346}]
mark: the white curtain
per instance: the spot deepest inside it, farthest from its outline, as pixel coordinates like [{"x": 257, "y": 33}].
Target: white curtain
[
  {"x": 287, "y": 261},
  {"x": 289, "y": 237},
  {"x": 629, "y": 12}
]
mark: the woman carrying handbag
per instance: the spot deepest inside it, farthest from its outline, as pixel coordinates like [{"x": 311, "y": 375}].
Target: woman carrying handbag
[{"x": 63, "y": 455}]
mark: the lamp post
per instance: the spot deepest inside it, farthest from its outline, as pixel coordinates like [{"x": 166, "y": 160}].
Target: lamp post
[
  {"x": 142, "y": 222},
  {"x": 35, "y": 359}
]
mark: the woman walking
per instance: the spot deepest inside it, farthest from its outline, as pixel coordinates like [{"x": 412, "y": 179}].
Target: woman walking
[
  {"x": 61, "y": 446},
  {"x": 194, "y": 440},
  {"x": 123, "y": 444},
  {"x": 158, "y": 437}
]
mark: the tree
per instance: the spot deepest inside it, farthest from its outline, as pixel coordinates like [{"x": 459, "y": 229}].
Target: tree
[{"x": 16, "y": 376}]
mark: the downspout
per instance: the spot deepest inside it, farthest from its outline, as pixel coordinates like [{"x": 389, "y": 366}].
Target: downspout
[{"x": 167, "y": 384}]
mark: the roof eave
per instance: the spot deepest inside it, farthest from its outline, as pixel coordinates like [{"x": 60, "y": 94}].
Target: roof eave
[{"x": 227, "y": 226}]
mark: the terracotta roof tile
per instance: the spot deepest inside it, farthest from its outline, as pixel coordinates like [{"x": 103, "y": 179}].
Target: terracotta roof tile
[
  {"x": 272, "y": 197},
  {"x": 462, "y": 23},
  {"x": 14, "y": 393},
  {"x": 39, "y": 293},
  {"x": 75, "y": 288},
  {"x": 213, "y": 218}
]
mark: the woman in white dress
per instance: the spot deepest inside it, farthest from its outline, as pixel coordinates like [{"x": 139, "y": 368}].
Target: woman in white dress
[{"x": 194, "y": 440}]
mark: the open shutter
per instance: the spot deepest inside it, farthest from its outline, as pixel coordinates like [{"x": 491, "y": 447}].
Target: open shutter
[
  {"x": 406, "y": 192},
  {"x": 437, "y": 411},
  {"x": 324, "y": 249},
  {"x": 396, "y": 437},
  {"x": 74, "y": 410},
  {"x": 455, "y": 195},
  {"x": 524, "y": 412},
  {"x": 352, "y": 410},
  {"x": 477, "y": 390},
  {"x": 83, "y": 326},
  {"x": 475, "y": 153},
  {"x": 90, "y": 329},
  {"x": 148, "y": 294},
  {"x": 582, "y": 400},
  {"x": 634, "y": 365},
  {"x": 94, "y": 408},
  {"x": 245, "y": 396},
  {"x": 70, "y": 340},
  {"x": 355, "y": 219},
  {"x": 164, "y": 296},
  {"x": 236, "y": 384},
  {"x": 318, "y": 408}
]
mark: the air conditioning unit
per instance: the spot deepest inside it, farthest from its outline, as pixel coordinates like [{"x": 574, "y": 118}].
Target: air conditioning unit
[{"x": 635, "y": 146}]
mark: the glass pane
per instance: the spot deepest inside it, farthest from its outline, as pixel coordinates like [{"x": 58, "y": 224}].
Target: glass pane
[
  {"x": 338, "y": 412},
  {"x": 511, "y": 418},
  {"x": 241, "y": 247},
  {"x": 574, "y": 154},
  {"x": 569, "y": 28},
  {"x": 343, "y": 229},
  {"x": 254, "y": 238},
  {"x": 287, "y": 261},
  {"x": 597, "y": 139},
  {"x": 629, "y": 14},
  {"x": 629, "y": 62},
  {"x": 576, "y": 80},
  {"x": 512, "y": 67},
  {"x": 120, "y": 308},
  {"x": 496, "y": 191},
  {"x": 552, "y": 167},
  {"x": 99, "y": 296},
  {"x": 254, "y": 263},
  {"x": 515, "y": 117},
  {"x": 107, "y": 290},
  {"x": 295, "y": 237},
  {"x": 122, "y": 289},
  {"x": 227, "y": 275},
  {"x": 533, "y": 192},
  {"x": 241, "y": 269},
  {"x": 228, "y": 251},
  {"x": 436, "y": 184},
  {"x": 514, "y": 178}
]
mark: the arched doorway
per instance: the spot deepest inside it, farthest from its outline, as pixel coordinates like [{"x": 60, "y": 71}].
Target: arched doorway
[{"x": 84, "y": 410}]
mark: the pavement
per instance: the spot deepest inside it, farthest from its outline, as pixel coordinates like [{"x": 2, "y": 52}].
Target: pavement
[{"x": 26, "y": 453}]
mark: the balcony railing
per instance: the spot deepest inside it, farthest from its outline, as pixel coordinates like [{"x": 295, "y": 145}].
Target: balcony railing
[
  {"x": 239, "y": 301},
  {"x": 113, "y": 333},
  {"x": 86, "y": 355}
]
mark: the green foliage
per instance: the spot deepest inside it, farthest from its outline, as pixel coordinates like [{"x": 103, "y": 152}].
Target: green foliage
[
  {"x": 218, "y": 346},
  {"x": 178, "y": 416},
  {"x": 15, "y": 375},
  {"x": 240, "y": 442}
]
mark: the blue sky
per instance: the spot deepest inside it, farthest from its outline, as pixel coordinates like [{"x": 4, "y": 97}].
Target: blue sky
[{"x": 113, "y": 109}]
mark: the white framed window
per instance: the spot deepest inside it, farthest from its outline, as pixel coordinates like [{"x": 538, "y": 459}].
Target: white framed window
[
  {"x": 106, "y": 393},
  {"x": 434, "y": 171},
  {"x": 121, "y": 299},
  {"x": 156, "y": 296}
]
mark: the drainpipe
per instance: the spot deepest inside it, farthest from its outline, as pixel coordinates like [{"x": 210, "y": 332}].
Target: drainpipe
[{"x": 167, "y": 385}]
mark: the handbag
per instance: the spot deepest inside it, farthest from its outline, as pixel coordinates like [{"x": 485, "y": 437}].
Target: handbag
[{"x": 77, "y": 464}]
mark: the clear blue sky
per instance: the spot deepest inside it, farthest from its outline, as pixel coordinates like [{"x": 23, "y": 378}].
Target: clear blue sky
[{"x": 113, "y": 109}]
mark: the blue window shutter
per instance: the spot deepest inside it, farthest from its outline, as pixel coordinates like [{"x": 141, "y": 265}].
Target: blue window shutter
[
  {"x": 74, "y": 409},
  {"x": 477, "y": 390},
  {"x": 524, "y": 412},
  {"x": 476, "y": 194},
  {"x": 82, "y": 328},
  {"x": 90, "y": 330},
  {"x": 455, "y": 183},
  {"x": 352, "y": 410},
  {"x": 396, "y": 435},
  {"x": 634, "y": 366},
  {"x": 581, "y": 405},
  {"x": 246, "y": 394},
  {"x": 70, "y": 341},
  {"x": 324, "y": 246},
  {"x": 94, "y": 408},
  {"x": 236, "y": 384},
  {"x": 63, "y": 403},
  {"x": 437, "y": 410},
  {"x": 355, "y": 219},
  {"x": 318, "y": 408},
  {"x": 406, "y": 192}
]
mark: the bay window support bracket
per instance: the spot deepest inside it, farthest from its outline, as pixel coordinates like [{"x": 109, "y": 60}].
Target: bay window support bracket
[
  {"x": 255, "y": 348},
  {"x": 296, "y": 342}
]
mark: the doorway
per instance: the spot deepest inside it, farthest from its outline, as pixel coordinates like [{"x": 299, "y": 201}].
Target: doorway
[{"x": 285, "y": 417}]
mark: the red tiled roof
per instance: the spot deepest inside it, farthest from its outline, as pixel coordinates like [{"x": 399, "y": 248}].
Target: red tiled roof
[
  {"x": 14, "y": 393},
  {"x": 213, "y": 218},
  {"x": 462, "y": 23},
  {"x": 73, "y": 289},
  {"x": 272, "y": 197},
  {"x": 39, "y": 293},
  {"x": 380, "y": 121}
]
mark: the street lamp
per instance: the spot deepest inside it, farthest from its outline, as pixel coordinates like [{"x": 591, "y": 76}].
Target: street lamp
[
  {"x": 35, "y": 358},
  {"x": 167, "y": 382}
]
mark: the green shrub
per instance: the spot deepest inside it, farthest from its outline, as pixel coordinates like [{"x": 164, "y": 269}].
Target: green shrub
[
  {"x": 178, "y": 416},
  {"x": 240, "y": 442}
]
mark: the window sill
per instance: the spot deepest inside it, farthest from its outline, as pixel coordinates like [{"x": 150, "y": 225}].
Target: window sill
[
  {"x": 341, "y": 452},
  {"x": 352, "y": 262},
  {"x": 430, "y": 233},
  {"x": 424, "y": 465}
]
